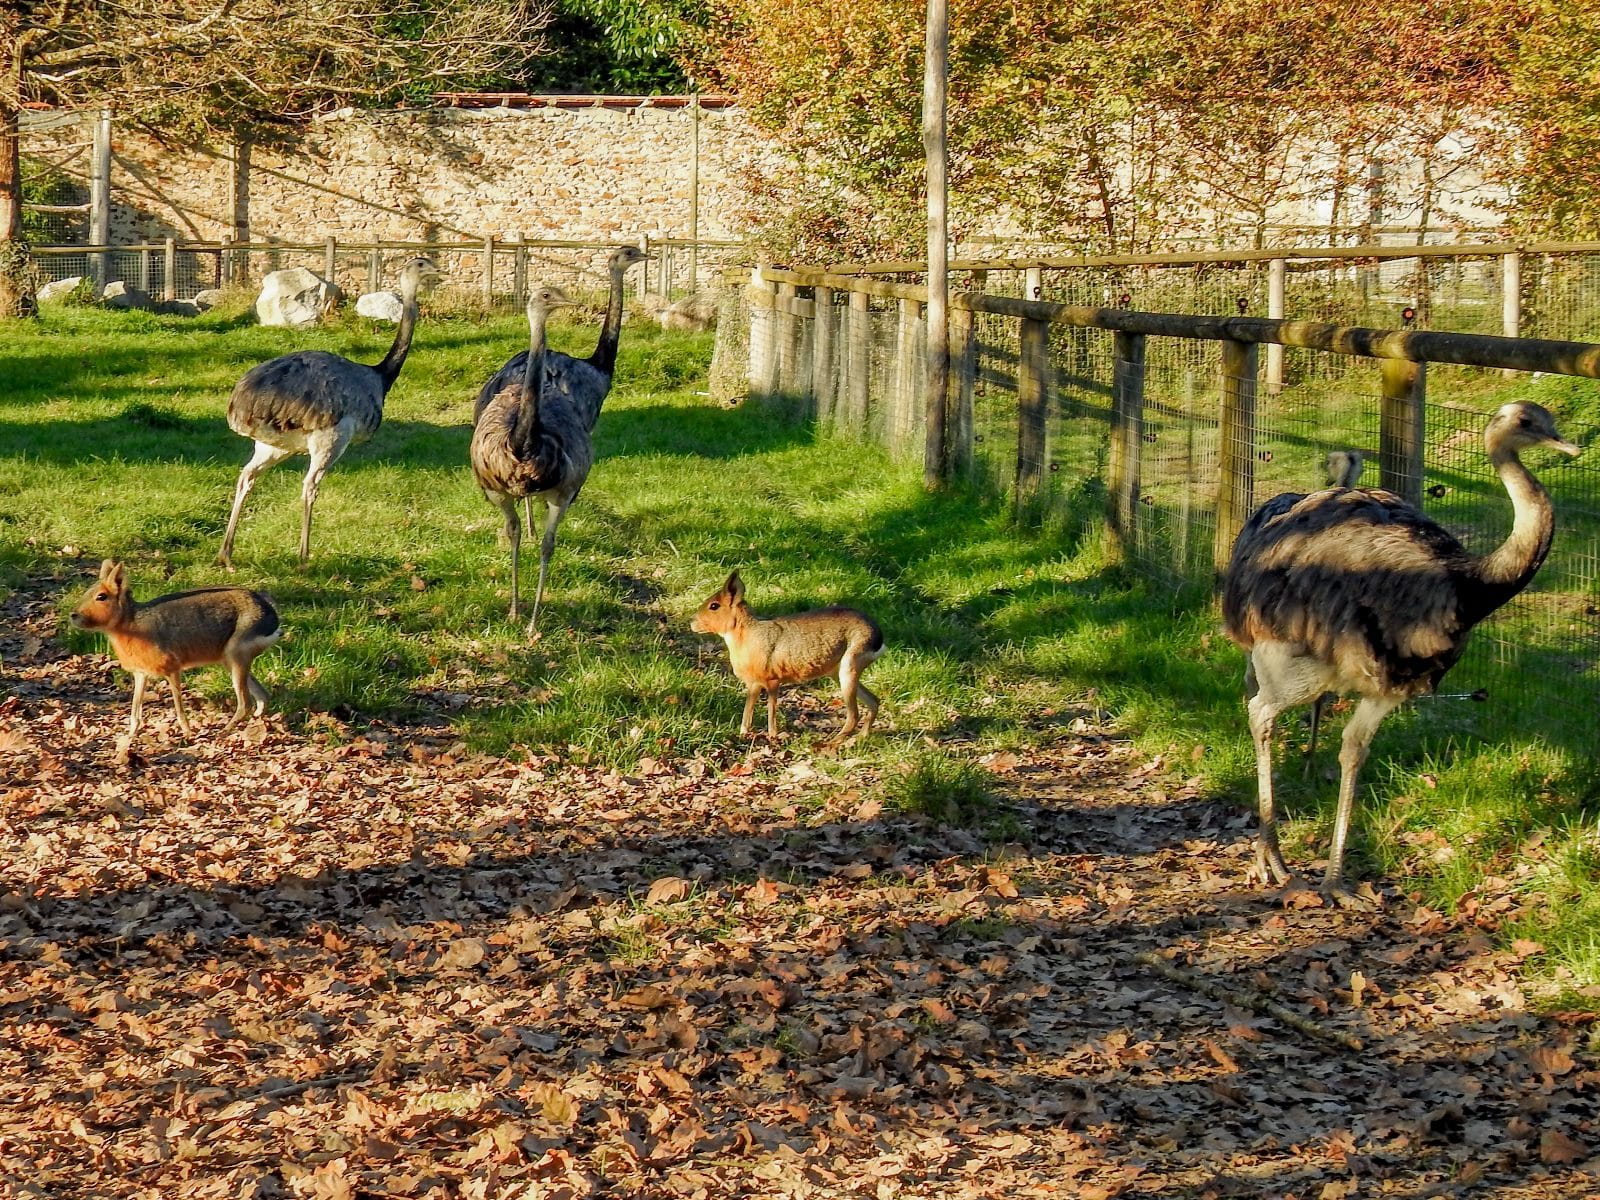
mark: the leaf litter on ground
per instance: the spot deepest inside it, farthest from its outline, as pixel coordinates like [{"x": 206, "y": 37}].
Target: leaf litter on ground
[{"x": 354, "y": 959}]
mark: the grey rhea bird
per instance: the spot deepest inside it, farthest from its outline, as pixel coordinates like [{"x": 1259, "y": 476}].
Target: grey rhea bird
[
  {"x": 585, "y": 380},
  {"x": 1343, "y": 470},
  {"x": 533, "y": 440},
  {"x": 318, "y": 404},
  {"x": 1355, "y": 591}
]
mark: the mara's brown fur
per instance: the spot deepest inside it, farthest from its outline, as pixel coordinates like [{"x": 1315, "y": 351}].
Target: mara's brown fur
[
  {"x": 168, "y": 635},
  {"x": 767, "y": 654}
]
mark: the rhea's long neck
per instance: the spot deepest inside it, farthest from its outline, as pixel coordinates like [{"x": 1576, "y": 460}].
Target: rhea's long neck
[
  {"x": 604, "y": 358},
  {"x": 389, "y": 369},
  {"x": 532, "y": 375},
  {"x": 1509, "y": 567}
]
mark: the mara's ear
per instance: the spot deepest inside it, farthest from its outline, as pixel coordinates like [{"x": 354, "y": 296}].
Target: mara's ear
[
  {"x": 106, "y": 567},
  {"x": 114, "y": 575},
  {"x": 734, "y": 587}
]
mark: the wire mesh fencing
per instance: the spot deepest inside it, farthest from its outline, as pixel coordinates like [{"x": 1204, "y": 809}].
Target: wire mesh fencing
[
  {"x": 1165, "y": 444},
  {"x": 488, "y": 274}
]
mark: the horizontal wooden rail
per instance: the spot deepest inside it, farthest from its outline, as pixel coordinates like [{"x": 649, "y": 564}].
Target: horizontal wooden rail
[
  {"x": 1414, "y": 345},
  {"x": 1224, "y": 257}
]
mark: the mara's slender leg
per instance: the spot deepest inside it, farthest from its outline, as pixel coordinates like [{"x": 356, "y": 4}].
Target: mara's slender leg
[
  {"x": 258, "y": 693},
  {"x": 1358, "y": 735},
  {"x": 239, "y": 668},
  {"x": 872, "y": 708},
  {"x": 554, "y": 511},
  {"x": 136, "y": 717},
  {"x": 325, "y": 447},
  {"x": 264, "y": 458},
  {"x": 750, "y": 697},
  {"x": 176, "y": 685},
  {"x": 849, "y": 682},
  {"x": 772, "y": 712}
]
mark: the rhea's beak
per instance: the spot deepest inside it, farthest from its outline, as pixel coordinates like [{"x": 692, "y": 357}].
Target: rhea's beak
[{"x": 1566, "y": 448}]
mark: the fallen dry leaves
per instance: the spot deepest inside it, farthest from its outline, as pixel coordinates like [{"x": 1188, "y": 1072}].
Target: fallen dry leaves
[{"x": 351, "y": 962}]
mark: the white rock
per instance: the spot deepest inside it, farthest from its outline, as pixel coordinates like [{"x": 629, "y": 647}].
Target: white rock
[
  {"x": 380, "y": 306},
  {"x": 207, "y": 298},
  {"x": 57, "y": 290},
  {"x": 295, "y": 297},
  {"x": 118, "y": 294}
]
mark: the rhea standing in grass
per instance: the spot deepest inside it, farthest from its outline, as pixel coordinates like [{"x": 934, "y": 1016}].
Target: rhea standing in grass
[
  {"x": 1350, "y": 590},
  {"x": 168, "y": 635},
  {"x": 318, "y": 404},
  {"x": 767, "y": 654},
  {"x": 532, "y": 440}
]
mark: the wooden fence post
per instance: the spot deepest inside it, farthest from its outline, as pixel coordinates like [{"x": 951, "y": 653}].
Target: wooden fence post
[
  {"x": 908, "y": 376},
  {"x": 1511, "y": 298},
  {"x": 1033, "y": 367},
  {"x": 1033, "y": 283},
  {"x": 1127, "y": 438},
  {"x": 488, "y": 271},
  {"x": 169, "y": 269},
  {"x": 374, "y": 270},
  {"x": 859, "y": 353},
  {"x": 964, "y": 360},
  {"x": 759, "y": 367},
  {"x": 822, "y": 351},
  {"x": 1236, "y": 458},
  {"x": 784, "y": 328},
  {"x": 519, "y": 271},
  {"x": 1402, "y": 428},
  {"x": 330, "y": 261},
  {"x": 1277, "y": 303}
]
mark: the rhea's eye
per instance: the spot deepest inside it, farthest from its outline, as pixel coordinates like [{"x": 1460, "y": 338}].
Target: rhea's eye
[
  {"x": 1525, "y": 422},
  {"x": 713, "y": 606}
]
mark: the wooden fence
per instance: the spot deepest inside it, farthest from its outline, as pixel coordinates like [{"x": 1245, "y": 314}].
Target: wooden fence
[{"x": 1154, "y": 429}]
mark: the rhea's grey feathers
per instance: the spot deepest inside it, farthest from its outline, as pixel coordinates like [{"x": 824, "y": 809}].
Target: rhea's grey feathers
[
  {"x": 556, "y": 452},
  {"x": 305, "y": 391}
]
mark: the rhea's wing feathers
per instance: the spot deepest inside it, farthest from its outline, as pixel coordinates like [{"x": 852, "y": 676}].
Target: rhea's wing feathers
[
  {"x": 586, "y": 386},
  {"x": 1354, "y": 577},
  {"x": 554, "y": 454},
  {"x": 304, "y": 391}
]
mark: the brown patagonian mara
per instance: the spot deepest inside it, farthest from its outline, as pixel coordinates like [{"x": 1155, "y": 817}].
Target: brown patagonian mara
[
  {"x": 1355, "y": 591},
  {"x": 585, "y": 380},
  {"x": 318, "y": 404},
  {"x": 532, "y": 439}
]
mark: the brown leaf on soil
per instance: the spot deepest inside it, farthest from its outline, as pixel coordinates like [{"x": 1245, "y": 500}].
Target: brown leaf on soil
[{"x": 1556, "y": 1148}]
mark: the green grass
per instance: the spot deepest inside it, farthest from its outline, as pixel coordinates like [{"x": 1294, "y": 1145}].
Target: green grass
[{"x": 113, "y": 443}]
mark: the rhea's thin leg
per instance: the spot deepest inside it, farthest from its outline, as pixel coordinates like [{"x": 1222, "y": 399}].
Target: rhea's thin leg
[
  {"x": 265, "y": 457},
  {"x": 508, "y": 509},
  {"x": 554, "y": 511},
  {"x": 324, "y": 451},
  {"x": 1269, "y": 864},
  {"x": 1317, "y": 707},
  {"x": 1358, "y": 735}
]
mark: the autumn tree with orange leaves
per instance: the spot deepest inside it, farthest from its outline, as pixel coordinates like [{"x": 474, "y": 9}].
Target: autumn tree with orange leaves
[{"x": 1111, "y": 125}]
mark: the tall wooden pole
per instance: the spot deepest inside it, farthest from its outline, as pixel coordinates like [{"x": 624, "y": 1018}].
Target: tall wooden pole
[{"x": 935, "y": 150}]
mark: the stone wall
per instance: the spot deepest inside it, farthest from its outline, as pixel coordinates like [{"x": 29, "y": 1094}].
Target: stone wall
[{"x": 599, "y": 173}]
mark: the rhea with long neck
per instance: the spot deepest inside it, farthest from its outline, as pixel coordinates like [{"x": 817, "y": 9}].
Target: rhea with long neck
[
  {"x": 604, "y": 358},
  {"x": 1506, "y": 570},
  {"x": 540, "y": 302},
  {"x": 410, "y": 282}
]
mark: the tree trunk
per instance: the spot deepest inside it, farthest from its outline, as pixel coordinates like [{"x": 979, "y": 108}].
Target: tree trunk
[{"x": 16, "y": 268}]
